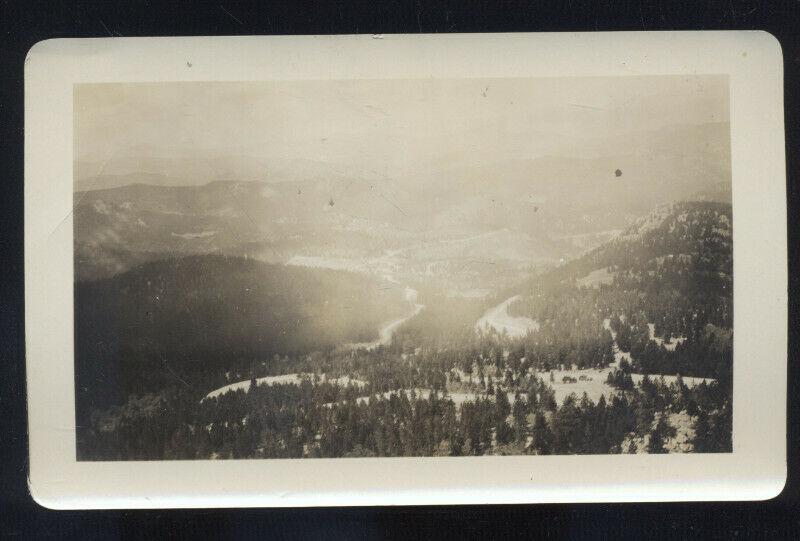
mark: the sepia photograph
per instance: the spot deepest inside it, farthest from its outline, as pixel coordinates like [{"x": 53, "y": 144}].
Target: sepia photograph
[
  {"x": 417, "y": 267},
  {"x": 396, "y": 274},
  {"x": 405, "y": 270}
]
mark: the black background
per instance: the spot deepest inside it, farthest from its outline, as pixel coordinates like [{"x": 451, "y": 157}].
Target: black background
[{"x": 24, "y": 23}]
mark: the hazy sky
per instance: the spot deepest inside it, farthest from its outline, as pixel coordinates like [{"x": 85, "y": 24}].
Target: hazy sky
[{"x": 385, "y": 126}]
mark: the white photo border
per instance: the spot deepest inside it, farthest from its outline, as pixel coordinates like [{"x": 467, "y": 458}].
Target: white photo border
[{"x": 756, "y": 469}]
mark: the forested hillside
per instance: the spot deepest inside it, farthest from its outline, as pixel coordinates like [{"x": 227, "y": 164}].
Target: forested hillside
[
  {"x": 175, "y": 320},
  {"x": 655, "y": 300},
  {"x": 664, "y": 286}
]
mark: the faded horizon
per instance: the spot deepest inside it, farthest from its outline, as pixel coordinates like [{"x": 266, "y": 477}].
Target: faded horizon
[{"x": 375, "y": 128}]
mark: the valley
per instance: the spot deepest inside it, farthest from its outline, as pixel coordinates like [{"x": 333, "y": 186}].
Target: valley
[
  {"x": 495, "y": 374},
  {"x": 386, "y": 268},
  {"x": 501, "y": 321}
]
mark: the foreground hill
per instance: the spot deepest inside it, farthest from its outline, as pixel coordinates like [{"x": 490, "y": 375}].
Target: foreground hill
[
  {"x": 664, "y": 285},
  {"x": 173, "y": 320}
]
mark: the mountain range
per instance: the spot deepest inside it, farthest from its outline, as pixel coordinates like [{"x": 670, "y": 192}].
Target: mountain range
[{"x": 550, "y": 207}]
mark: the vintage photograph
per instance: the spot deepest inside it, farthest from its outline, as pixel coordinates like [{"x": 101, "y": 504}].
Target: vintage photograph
[{"x": 402, "y": 267}]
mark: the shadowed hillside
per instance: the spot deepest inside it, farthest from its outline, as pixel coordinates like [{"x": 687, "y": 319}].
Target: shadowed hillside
[{"x": 170, "y": 321}]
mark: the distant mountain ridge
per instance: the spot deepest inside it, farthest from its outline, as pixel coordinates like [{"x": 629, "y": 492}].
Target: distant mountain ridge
[
  {"x": 696, "y": 229},
  {"x": 559, "y": 204}
]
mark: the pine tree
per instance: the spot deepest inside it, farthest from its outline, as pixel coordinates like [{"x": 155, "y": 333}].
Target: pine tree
[
  {"x": 702, "y": 444},
  {"x": 567, "y": 427},
  {"x": 658, "y": 436},
  {"x": 519, "y": 412},
  {"x": 541, "y": 435},
  {"x": 502, "y": 407}
]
